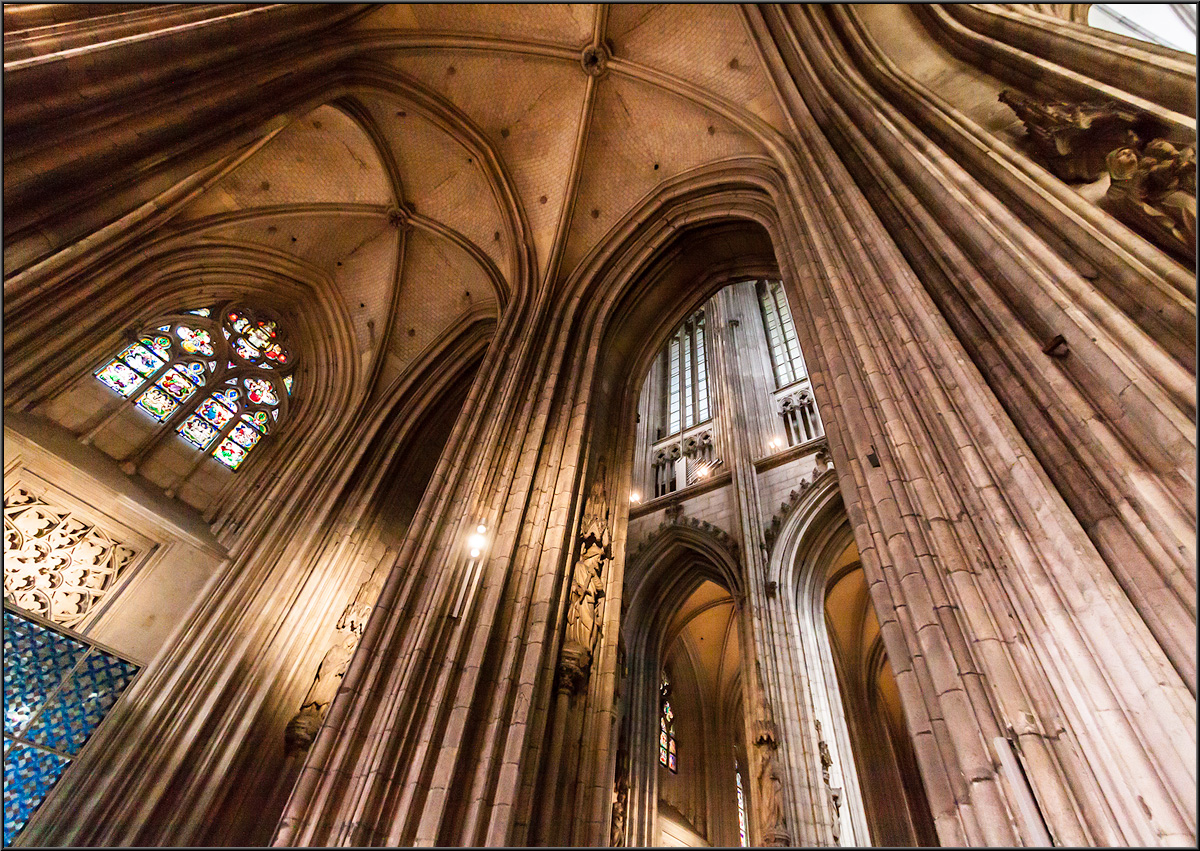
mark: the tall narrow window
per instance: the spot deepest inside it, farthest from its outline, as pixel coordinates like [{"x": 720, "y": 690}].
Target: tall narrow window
[
  {"x": 741, "y": 802},
  {"x": 685, "y": 399},
  {"x": 666, "y": 727},
  {"x": 218, "y": 377},
  {"x": 781, "y": 333}
]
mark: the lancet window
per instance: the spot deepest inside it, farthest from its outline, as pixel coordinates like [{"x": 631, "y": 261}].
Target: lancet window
[
  {"x": 666, "y": 725},
  {"x": 685, "y": 401},
  {"x": 741, "y": 802},
  {"x": 218, "y": 377},
  {"x": 781, "y": 333}
]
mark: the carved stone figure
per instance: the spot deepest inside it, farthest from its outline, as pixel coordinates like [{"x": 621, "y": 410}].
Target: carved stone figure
[
  {"x": 616, "y": 834},
  {"x": 770, "y": 801},
  {"x": 302, "y": 729},
  {"x": 1073, "y": 139},
  {"x": 587, "y": 583},
  {"x": 1154, "y": 191}
]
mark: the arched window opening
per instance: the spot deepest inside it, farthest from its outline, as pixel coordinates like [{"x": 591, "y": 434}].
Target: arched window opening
[
  {"x": 666, "y": 739},
  {"x": 786, "y": 359},
  {"x": 741, "y": 802},
  {"x": 218, "y": 377},
  {"x": 666, "y": 724},
  {"x": 685, "y": 378}
]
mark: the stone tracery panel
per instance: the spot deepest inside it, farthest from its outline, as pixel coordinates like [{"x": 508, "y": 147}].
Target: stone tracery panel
[{"x": 57, "y": 564}]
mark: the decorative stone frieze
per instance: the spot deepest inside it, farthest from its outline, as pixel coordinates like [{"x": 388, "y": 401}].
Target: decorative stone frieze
[{"x": 676, "y": 517}]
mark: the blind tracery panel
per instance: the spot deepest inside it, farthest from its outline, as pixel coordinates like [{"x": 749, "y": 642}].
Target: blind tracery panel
[
  {"x": 57, "y": 565},
  {"x": 220, "y": 378}
]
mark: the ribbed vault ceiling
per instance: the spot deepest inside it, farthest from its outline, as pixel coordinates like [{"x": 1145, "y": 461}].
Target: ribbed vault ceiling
[{"x": 683, "y": 89}]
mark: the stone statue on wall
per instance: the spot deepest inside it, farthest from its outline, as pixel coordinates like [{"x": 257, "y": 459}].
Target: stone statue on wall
[
  {"x": 770, "y": 802},
  {"x": 1073, "y": 139},
  {"x": 832, "y": 794},
  {"x": 302, "y": 729},
  {"x": 587, "y": 578},
  {"x": 1154, "y": 191},
  {"x": 616, "y": 834}
]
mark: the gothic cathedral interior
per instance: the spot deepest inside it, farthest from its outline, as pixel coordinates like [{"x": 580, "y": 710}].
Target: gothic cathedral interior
[{"x": 599, "y": 425}]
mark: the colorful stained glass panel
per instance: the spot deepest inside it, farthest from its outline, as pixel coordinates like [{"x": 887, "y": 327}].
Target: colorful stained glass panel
[
  {"x": 258, "y": 419},
  {"x": 197, "y": 432},
  {"x": 214, "y": 412},
  {"x": 193, "y": 370},
  {"x": 287, "y": 382},
  {"x": 175, "y": 384},
  {"x": 260, "y": 392},
  {"x": 195, "y": 340},
  {"x": 227, "y": 396},
  {"x": 203, "y": 311},
  {"x": 160, "y": 345},
  {"x": 229, "y": 453},
  {"x": 120, "y": 378},
  {"x": 671, "y": 761},
  {"x": 244, "y": 434},
  {"x": 156, "y": 403},
  {"x": 246, "y": 350},
  {"x": 140, "y": 358}
]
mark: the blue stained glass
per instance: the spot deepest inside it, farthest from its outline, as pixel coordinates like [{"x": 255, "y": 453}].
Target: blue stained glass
[
  {"x": 83, "y": 701},
  {"x": 228, "y": 397},
  {"x": 36, "y": 659},
  {"x": 203, "y": 311},
  {"x": 193, "y": 370},
  {"x": 29, "y": 773},
  {"x": 161, "y": 346}
]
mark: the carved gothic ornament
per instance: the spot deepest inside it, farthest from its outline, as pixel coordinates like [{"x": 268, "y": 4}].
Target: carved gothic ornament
[
  {"x": 676, "y": 517},
  {"x": 770, "y": 801},
  {"x": 1154, "y": 191},
  {"x": 786, "y": 509},
  {"x": 56, "y": 564},
  {"x": 1073, "y": 139}
]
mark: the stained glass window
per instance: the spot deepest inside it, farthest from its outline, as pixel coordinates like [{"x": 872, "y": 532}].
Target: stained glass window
[
  {"x": 781, "y": 333},
  {"x": 219, "y": 377},
  {"x": 666, "y": 724},
  {"x": 741, "y": 802},
  {"x": 58, "y": 687}
]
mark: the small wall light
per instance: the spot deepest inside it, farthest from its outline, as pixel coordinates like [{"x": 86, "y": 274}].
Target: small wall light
[
  {"x": 477, "y": 541},
  {"x": 635, "y": 497}
]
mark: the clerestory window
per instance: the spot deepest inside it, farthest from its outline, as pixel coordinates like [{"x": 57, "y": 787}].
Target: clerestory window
[
  {"x": 218, "y": 377},
  {"x": 781, "y": 333},
  {"x": 685, "y": 401}
]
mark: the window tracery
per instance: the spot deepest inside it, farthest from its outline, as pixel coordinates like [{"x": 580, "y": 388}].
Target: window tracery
[
  {"x": 666, "y": 724},
  {"x": 219, "y": 377},
  {"x": 685, "y": 401}
]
